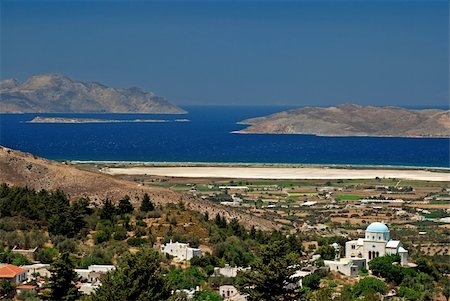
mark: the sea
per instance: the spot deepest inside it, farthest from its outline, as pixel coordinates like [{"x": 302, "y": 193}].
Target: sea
[{"x": 208, "y": 137}]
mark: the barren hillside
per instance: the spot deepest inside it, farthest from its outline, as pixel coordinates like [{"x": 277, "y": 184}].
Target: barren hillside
[
  {"x": 57, "y": 93},
  {"x": 353, "y": 120},
  {"x": 22, "y": 169}
]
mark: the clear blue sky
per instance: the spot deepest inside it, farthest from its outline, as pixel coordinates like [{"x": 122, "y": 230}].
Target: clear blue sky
[{"x": 294, "y": 53}]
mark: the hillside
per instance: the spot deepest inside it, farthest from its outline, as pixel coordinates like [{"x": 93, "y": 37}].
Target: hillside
[
  {"x": 56, "y": 93},
  {"x": 353, "y": 120},
  {"x": 22, "y": 169}
]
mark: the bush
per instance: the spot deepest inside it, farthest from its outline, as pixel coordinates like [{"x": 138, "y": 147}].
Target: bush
[
  {"x": 101, "y": 236},
  {"x": 207, "y": 295},
  {"x": 140, "y": 231},
  {"x": 369, "y": 284},
  {"x": 120, "y": 234},
  {"x": 141, "y": 223},
  {"x": 45, "y": 255},
  {"x": 136, "y": 241},
  {"x": 312, "y": 281}
]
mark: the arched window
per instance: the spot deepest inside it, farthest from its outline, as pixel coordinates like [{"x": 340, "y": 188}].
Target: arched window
[
  {"x": 370, "y": 255},
  {"x": 378, "y": 254}
]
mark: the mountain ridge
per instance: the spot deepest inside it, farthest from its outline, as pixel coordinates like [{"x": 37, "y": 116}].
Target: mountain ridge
[{"x": 55, "y": 93}]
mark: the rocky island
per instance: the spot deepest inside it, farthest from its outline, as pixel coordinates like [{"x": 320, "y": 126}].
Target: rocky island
[
  {"x": 95, "y": 120},
  {"x": 353, "y": 120},
  {"x": 47, "y": 93}
]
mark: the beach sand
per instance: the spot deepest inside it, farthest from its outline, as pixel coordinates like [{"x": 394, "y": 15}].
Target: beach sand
[{"x": 280, "y": 173}]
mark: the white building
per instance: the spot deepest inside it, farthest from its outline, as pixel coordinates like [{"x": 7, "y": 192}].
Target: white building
[
  {"x": 230, "y": 293},
  {"x": 94, "y": 272},
  {"x": 38, "y": 268},
  {"x": 181, "y": 251},
  {"x": 229, "y": 271},
  {"x": 377, "y": 242},
  {"x": 347, "y": 266}
]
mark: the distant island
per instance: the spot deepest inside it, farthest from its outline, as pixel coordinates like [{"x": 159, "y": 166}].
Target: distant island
[
  {"x": 94, "y": 120},
  {"x": 54, "y": 93},
  {"x": 353, "y": 120}
]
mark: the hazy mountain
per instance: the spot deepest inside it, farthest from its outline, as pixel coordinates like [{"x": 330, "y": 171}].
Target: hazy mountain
[
  {"x": 57, "y": 93},
  {"x": 354, "y": 120}
]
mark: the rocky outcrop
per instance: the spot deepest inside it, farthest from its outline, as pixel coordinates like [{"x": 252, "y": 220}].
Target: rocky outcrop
[{"x": 47, "y": 93}]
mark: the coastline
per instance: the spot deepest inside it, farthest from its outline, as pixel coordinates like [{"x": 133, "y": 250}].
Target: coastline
[
  {"x": 245, "y": 132},
  {"x": 326, "y": 173},
  {"x": 267, "y": 171},
  {"x": 253, "y": 164}
]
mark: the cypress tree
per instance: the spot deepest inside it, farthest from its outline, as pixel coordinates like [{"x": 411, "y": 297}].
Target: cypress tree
[
  {"x": 146, "y": 204},
  {"x": 63, "y": 278}
]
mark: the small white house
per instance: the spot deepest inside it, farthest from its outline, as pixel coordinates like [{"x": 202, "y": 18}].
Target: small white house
[
  {"x": 228, "y": 271},
  {"x": 346, "y": 266},
  {"x": 181, "y": 251},
  {"x": 38, "y": 268},
  {"x": 94, "y": 272},
  {"x": 230, "y": 293}
]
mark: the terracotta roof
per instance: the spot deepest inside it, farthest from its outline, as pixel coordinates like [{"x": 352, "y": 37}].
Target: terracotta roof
[
  {"x": 26, "y": 287},
  {"x": 10, "y": 271}
]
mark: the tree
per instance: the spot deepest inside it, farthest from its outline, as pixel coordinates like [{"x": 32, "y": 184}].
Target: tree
[
  {"x": 270, "y": 275},
  {"x": 186, "y": 279},
  {"x": 6, "y": 288},
  {"x": 383, "y": 267},
  {"x": 445, "y": 283},
  {"x": 108, "y": 210},
  {"x": 327, "y": 252},
  {"x": 146, "y": 204},
  {"x": 125, "y": 206},
  {"x": 137, "y": 277},
  {"x": 312, "y": 281},
  {"x": 369, "y": 284},
  {"x": 207, "y": 295},
  {"x": 63, "y": 278}
]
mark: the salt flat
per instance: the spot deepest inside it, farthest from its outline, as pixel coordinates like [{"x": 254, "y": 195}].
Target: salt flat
[{"x": 280, "y": 173}]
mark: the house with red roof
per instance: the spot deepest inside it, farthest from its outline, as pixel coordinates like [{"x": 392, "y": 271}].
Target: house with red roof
[
  {"x": 25, "y": 288},
  {"x": 13, "y": 273}
]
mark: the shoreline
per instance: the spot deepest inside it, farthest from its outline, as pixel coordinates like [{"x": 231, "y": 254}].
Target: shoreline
[
  {"x": 267, "y": 171},
  {"x": 279, "y": 173},
  {"x": 256, "y": 165},
  {"x": 244, "y": 132}
]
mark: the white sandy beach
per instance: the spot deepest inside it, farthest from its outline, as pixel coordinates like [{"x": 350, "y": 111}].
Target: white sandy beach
[{"x": 280, "y": 173}]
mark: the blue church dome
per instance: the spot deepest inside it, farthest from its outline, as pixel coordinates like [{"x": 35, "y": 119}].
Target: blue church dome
[{"x": 377, "y": 228}]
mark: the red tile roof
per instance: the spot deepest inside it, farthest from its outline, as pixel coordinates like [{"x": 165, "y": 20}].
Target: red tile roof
[
  {"x": 10, "y": 271},
  {"x": 26, "y": 287}
]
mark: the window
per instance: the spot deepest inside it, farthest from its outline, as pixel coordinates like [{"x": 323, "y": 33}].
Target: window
[{"x": 353, "y": 247}]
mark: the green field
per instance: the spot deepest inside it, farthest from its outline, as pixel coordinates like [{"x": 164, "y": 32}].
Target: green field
[{"x": 348, "y": 197}]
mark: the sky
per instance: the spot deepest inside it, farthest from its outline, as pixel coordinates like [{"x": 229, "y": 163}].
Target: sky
[{"x": 238, "y": 52}]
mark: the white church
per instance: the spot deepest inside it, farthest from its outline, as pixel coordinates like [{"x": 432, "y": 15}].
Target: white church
[{"x": 377, "y": 242}]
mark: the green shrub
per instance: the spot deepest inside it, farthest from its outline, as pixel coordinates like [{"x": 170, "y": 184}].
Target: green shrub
[
  {"x": 120, "y": 234},
  {"x": 136, "y": 241},
  {"x": 101, "y": 236},
  {"x": 45, "y": 255}
]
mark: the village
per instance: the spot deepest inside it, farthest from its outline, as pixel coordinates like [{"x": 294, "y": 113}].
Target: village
[{"x": 343, "y": 226}]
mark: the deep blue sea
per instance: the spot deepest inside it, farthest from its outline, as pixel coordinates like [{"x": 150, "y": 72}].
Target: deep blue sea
[{"x": 207, "y": 138}]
